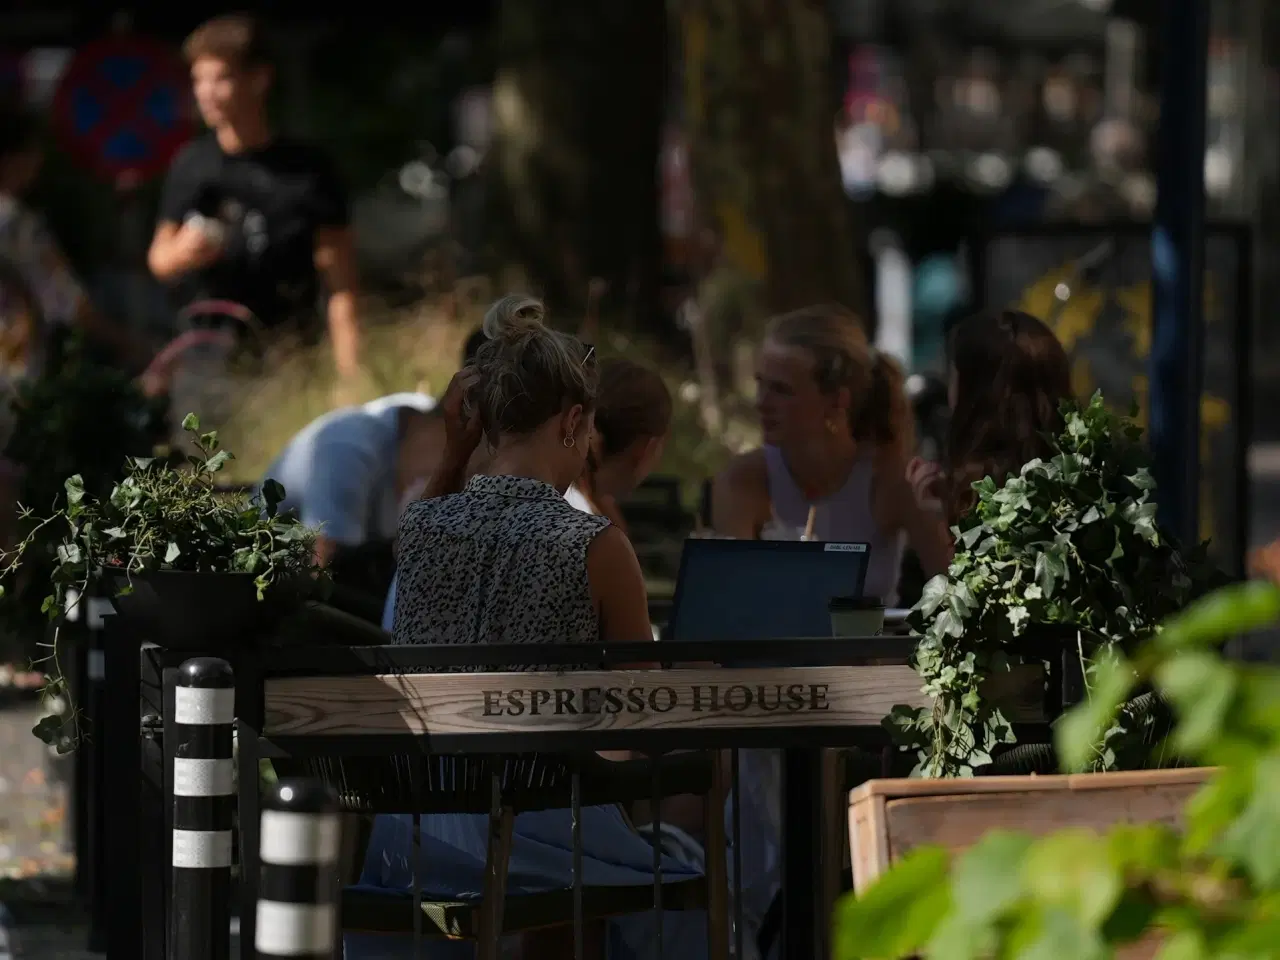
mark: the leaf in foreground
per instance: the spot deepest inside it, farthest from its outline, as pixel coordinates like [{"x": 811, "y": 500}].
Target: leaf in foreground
[
  {"x": 1079, "y": 732},
  {"x": 898, "y": 914},
  {"x": 1236, "y": 609},
  {"x": 1074, "y": 871},
  {"x": 1253, "y": 841},
  {"x": 988, "y": 876},
  {"x": 1052, "y": 933},
  {"x": 1202, "y": 688}
]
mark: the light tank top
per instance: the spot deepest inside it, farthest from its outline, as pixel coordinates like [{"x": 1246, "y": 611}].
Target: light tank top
[{"x": 845, "y": 516}]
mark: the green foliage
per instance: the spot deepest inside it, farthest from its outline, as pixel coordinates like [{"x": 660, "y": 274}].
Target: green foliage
[
  {"x": 1070, "y": 543},
  {"x": 1212, "y": 888},
  {"x": 79, "y": 417},
  {"x": 162, "y": 516}
]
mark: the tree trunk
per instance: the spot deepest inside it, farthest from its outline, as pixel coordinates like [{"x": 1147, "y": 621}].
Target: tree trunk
[
  {"x": 761, "y": 109},
  {"x": 578, "y": 106}
]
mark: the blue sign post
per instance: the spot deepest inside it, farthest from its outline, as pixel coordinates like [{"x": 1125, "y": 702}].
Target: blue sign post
[{"x": 1177, "y": 267}]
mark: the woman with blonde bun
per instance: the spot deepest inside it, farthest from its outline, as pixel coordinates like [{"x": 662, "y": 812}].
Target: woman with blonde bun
[
  {"x": 503, "y": 557},
  {"x": 632, "y": 421}
]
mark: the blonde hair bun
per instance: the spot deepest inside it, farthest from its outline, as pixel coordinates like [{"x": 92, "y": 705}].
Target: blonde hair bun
[
  {"x": 515, "y": 317},
  {"x": 528, "y": 371}
]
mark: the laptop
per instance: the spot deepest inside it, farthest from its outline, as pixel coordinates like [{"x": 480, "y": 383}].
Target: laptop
[{"x": 762, "y": 589}]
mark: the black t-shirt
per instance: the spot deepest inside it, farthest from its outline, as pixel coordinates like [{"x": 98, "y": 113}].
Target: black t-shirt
[{"x": 271, "y": 202}]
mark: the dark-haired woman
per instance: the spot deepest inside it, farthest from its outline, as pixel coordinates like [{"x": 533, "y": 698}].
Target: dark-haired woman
[
  {"x": 633, "y": 418},
  {"x": 1008, "y": 377}
]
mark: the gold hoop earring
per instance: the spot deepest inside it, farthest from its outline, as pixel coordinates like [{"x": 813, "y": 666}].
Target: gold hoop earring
[{"x": 568, "y": 442}]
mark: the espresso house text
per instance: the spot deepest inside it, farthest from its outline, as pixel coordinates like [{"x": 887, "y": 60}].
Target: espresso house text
[{"x": 708, "y": 698}]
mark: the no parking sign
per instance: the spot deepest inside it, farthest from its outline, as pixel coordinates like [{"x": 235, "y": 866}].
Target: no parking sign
[{"x": 122, "y": 109}]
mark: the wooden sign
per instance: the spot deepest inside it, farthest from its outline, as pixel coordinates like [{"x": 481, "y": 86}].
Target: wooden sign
[{"x": 468, "y": 703}]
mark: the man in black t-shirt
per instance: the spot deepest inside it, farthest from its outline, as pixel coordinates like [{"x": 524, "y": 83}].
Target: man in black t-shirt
[{"x": 250, "y": 217}]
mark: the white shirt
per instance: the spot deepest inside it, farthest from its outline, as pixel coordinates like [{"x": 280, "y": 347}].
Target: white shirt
[
  {"x": 338, "y": 472},
  {"x": 578, "y": 500}
]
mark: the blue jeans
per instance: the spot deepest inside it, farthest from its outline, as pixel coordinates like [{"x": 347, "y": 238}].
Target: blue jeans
[{"x": 452, "y": 861}]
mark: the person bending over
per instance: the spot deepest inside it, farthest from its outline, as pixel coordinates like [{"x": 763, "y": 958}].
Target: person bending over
[
  {"x": 342, "y": 473},
  {"x": 837, "y": 431}
]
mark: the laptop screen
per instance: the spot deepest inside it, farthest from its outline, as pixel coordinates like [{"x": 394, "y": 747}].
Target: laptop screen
[{"x": 763, "y": 589}]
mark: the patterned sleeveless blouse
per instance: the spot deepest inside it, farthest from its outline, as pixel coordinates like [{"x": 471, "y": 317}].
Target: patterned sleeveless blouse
[{"x": 504, "y": 561}]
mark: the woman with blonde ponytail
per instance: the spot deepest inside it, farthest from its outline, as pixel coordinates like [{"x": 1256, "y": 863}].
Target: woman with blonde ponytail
[{"x": 838, "y": 435}]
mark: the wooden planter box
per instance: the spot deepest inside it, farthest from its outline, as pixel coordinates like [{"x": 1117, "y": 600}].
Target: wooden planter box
[{"x": 887, "y": 818}]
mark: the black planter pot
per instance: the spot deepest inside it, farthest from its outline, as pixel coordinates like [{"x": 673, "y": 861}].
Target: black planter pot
[{"x": 205, "y": 612}]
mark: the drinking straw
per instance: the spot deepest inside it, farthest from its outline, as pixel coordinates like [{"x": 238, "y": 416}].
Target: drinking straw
[{"x": 808, "y": 527}]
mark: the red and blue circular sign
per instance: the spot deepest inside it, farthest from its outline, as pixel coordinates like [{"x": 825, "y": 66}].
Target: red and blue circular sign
[{"x": 122, "y": 108}]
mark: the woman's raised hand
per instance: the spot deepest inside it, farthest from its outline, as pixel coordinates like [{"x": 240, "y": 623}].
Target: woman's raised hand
[
  {"x": 461, "y": 435},
  {"x": 925, "y": 478},
  {"x": 461, "y": 417}
]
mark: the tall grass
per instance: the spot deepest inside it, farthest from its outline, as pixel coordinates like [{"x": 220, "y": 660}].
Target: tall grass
[{"x": 419, "y": 348}]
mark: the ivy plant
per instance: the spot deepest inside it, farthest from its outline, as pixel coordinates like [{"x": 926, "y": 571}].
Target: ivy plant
[
  {"x": 1071, "y": 543},
  {"x": 162, "y": 515},
  {"x": 1211, "y": 888},
  {"x": 78, "y": 416}
]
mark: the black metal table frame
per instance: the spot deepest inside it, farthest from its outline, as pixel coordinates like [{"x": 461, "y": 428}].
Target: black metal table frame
[
  {"x": 138, "y": 896},
  {"x": 803, "y": 925}
]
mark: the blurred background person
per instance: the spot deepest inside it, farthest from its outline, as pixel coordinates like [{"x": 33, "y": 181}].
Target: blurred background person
[
  {"x": 1007, "y": 378},
  {"x": 251, "y": 217},
  {"x": 40, "y": 295}
]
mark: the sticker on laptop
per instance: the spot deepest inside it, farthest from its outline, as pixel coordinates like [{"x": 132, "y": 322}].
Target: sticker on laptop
[{"x": 846, "y": 547}]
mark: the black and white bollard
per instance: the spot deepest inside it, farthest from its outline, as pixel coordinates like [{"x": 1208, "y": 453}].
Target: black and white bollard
[
  {"x": 298, "y": 889},
  {"x": 203, "y": 802},
  {"x": 84, "y": 621}
]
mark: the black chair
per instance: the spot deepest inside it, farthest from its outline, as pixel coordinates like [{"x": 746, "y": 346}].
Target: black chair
[
  {"x": 1148, "y": 712},
  {"x": 361, "y": 577},
  {"x": 658, "y": 524},
  {"x": 502, "y": 787}
]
